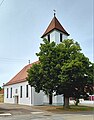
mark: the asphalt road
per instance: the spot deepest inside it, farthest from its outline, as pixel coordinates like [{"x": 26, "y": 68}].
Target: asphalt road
[
  {"x": 19, "y": 112},
  {"x": 48, "y": 117}
]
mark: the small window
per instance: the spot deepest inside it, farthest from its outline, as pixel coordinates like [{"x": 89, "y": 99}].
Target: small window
[
  {"x": 60, "y": 37},
  {"x": 20, "y": 91},
  {"x": 49, "y": 37},
  {"x": 10, "y": 92},
  {"x": 7, "y": 92},
  {"x": 26, "y": 90},
  {"x": 16, "y": 91}
]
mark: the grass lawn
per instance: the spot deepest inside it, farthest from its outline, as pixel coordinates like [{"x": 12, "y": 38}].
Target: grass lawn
[
  {"x": 60, "y": 109},
  {"x": 77, "y": 108}
]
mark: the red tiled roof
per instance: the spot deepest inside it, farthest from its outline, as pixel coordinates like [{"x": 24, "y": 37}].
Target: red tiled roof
[
  {"x": 2, "y": 91},
  {"x": 21, "y": 76},
  {"x": 55, "y": 24}
]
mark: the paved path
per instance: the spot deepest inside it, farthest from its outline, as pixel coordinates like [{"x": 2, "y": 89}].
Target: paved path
[
  {"x": 20, "y": 112},
  {"x": 48, "y": 117},
  {"x": 78, "y": 117}
]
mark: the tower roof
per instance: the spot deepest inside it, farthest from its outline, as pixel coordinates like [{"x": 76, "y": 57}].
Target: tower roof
[{"x": 54, "y": 24}]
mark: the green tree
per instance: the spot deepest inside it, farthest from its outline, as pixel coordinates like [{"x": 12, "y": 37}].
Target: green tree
[
  {"x": 0, "y": 88},
  {"x": 44, "y": 75},
  {"x": 76, "y": 74},
  {"x": 63, "y": 69}
]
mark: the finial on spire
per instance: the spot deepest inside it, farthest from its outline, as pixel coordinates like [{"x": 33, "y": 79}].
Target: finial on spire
[{"x": 54, "y": 12}]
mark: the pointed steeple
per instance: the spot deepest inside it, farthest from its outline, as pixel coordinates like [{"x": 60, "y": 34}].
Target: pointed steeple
[{"x": 55, "y": 25}]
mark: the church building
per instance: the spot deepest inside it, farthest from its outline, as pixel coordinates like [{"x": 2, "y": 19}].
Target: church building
[{"x": 18, "y": 91}]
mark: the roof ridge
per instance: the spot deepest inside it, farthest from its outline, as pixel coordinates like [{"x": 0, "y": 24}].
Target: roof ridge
[
  {"x": 61, "y": 26},
  {"x": 15, "y": 75},
  {"x": 19, "y": 77},
  {"x": 54, "y": 24}
]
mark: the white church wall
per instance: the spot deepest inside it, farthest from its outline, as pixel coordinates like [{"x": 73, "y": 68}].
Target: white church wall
[
  {"x": 57, "y": 99},
  {"x": 8, "y": 100},
  {"x": 25, "y": 100},
  {"x": 38, "y": 98},
  {"x": 45, "y": 37},
  {"x": 32, "y": 99},
  {"x": 65, "y": 37},
  {"x": 45, "y": 99},
  {"x": 16, "y": 94},
  {"x": 55, "y": 36},
  {"x": 52, "y": 36}
]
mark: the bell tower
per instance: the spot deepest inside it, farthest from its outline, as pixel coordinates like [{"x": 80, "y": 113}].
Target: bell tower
[{"x": 55, "y": 31}]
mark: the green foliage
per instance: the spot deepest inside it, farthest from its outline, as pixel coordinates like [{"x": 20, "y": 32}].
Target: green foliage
[
  {"x": 63, "y": 69},
  {"x": 77, "y": 72},
  {"x": 34, "y": 77},
  {"x": 0, "y": 88},
  {"x": 44, "y": 76}
]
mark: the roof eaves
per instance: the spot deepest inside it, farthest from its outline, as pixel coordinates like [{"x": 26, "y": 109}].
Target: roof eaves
[{"x": 16, "y": 82}]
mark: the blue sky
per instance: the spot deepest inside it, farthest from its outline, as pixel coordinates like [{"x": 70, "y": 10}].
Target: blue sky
[{"x": 22, "y": 23}]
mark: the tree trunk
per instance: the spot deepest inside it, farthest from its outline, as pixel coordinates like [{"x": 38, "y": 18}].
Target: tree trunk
[
  {"x": 50, "y": 99},
  {"x": 77, "y": 102},
  {"x": 66, "y": 101}
]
